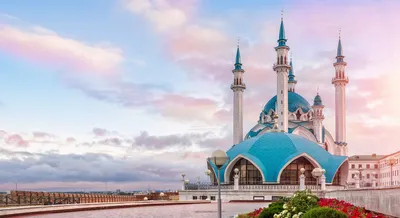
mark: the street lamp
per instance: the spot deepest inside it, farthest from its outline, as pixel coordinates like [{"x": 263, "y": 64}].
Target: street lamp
[
  {"x": 208, "y": 173},
  {"x": 317, "y": 173},
  {"x": 391, "y": 162},
  {"x": 218, "y": 159}
]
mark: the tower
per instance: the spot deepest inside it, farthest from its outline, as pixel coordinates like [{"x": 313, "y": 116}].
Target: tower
[
  {"x": 238, "y": 87},
  {"x": 340, "y": 81},
  {"x": 318, "y": 117},
  {"x": 282, "y": 68},
  {"x": 292, "y": 81}
]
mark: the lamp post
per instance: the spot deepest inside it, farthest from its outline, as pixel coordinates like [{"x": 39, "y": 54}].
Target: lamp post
[
  {"x": 219, "y": 158},
  {"x": 208, "y": 173},
  {"x": 391, "y": 162},
  {"x": 183, "y": 181}
]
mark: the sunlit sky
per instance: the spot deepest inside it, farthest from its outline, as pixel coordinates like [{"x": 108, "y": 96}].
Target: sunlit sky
[{"x": 135, "y": 92}]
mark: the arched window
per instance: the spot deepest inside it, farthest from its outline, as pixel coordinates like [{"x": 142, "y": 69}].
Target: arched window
[
  {"x": 298, "y": 115},
  {"x": 285, "y": 59},
  {"x": 291, "y": 174},
  {"x": 281, "y": 59},
  {"x": 248, "y": 173}
]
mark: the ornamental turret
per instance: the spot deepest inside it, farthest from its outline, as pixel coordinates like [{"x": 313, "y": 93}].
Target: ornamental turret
[
  {"x": 282, "y": 68},
  {"x": 238, "y": 87},
  {"x": 292, "y": 78},
  {"x": 318, "y": 118},
  {"x": 340, "y": 81}
]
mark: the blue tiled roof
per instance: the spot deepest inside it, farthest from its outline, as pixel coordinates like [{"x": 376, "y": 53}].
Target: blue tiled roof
[
  {"x": 271, "y": 151},
  {"x": 238, "y": 62},
  {"x": 282, "y": 40},
  {"x": 294, "y": 100}
]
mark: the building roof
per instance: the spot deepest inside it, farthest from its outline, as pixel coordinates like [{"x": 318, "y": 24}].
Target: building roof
[
  {"x": 272, "y": 151},
  {"x": 366, "y": 157},
  {"x": 294, "y": 101}
]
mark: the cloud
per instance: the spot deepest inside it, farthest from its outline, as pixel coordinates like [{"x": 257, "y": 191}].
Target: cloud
[
  {"x": 39, "y": 134},
  {"x": 17, "y": 140},
  {"x": 100, "y": 132},
  {"x": 70, "y": 140},
  {"x": 46, "y": 46}
]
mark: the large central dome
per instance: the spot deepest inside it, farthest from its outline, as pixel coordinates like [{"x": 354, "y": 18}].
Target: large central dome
[{"x": 294, "y": 101}]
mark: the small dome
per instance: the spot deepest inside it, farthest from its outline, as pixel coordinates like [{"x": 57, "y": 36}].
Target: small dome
[
  {"x": 294, "y": 101},
  {"x": 271, "y": 151},
  {"x": 317, "y": 100}
]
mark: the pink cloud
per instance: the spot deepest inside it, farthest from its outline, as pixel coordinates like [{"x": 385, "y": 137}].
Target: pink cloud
[
  {"x": 17, "y": 140},
  {"x": 45, "y": 46}
]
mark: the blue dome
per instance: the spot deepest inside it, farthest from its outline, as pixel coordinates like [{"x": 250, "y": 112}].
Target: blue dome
[
  {"x": 317, "y": 100},
  {"x": 271, "y": 151},
  {"x": 294, "y": 101}
]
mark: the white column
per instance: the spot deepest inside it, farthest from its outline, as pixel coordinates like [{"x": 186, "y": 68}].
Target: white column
[
  {"x": 302, "y": 180},
  {"x": 357, "y": 181},
  {"x": 236, "y": 179},
  {"x": 282, "y": 100},
  {"x": 323, "y": 182},
  {"x": 237, "y": 116}
]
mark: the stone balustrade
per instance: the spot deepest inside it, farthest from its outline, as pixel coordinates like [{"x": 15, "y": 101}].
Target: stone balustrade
[
  {"x": 43, "y": 198},
  {"x": 381, "y": 200}
]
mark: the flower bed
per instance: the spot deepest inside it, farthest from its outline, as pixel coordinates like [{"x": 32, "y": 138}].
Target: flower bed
[
  {"x": 347, "y": 208},
  {"x": 302, "y": 202}
]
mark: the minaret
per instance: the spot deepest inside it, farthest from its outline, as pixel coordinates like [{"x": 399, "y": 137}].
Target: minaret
[
  {"x": 292, "y": 80},
  {"x": 318, "y": 117},
  {"x": 340, "y": 80},
  {"x": 282, "y": 69},
  {"x": 238, "y": 87}
]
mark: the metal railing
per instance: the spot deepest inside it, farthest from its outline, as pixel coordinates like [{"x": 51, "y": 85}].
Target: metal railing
[{"x": 258, "y": 187}]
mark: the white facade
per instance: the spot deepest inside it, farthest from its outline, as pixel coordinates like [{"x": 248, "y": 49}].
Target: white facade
[{"x": 384, "y": 171}]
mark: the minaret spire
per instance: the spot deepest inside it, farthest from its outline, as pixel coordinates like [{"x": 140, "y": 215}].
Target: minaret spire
[
  {"x": 282, "y": 39},
  {"x": 282, "y": 68},
  {"x": 340, "y": 81},
  {"x": 238, "y": 87},
  {"x": 292, "y": 81}
]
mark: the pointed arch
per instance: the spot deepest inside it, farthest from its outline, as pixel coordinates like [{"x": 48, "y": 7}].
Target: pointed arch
[
  {"x": 232, "y": 163},
  {"x": 310, "y": 159},
  {"x": 341, "y": 173}
]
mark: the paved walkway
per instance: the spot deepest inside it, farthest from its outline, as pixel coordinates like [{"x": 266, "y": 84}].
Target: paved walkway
[{"x": 42, "y": 209}]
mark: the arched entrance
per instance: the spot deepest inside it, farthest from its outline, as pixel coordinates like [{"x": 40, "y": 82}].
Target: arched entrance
[
  {"x": 291, "y": 174},
  {"x": 248, "y": 173}
]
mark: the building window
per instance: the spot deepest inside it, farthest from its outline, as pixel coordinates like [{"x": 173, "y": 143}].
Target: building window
[
  {"x": 194, "y": 197},
  {"x": 249, "y": 174},
  {"x": 368, "y": 166},
  {"x": 376, "y": 175},
  {"x": 290, "y": 175},
  {"x": 281, "y": 102},
  {"x": 359, "y": 165},
  {"x": 281, "y": 91},
  {"x": 353, "y": 166},
  {"x": 281, "y": 112},
  {"x": 376, "y": 166},
  {"x": 212, "y": 198},
  {"x": 367, "y": 176},
  {"x": 352, "y": 176}
]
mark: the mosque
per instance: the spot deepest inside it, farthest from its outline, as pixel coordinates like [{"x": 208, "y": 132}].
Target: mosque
[{"x": 290, "y": 139}]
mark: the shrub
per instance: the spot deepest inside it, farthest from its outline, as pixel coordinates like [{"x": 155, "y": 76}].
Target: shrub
[
  {"x": 324, "y": 212},
  {"x": 298, "y": 204},
  {"x": 273, "y": 208}
]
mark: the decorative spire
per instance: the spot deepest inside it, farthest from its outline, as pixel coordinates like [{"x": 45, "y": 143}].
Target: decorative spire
[
  {"x": 282, "y": 40},
  {"x": 291, "y": 71},
  {"x": 339, "y": 48},
  {"x": 275, "y": 127},
  {"x": 238, "y": 63}
]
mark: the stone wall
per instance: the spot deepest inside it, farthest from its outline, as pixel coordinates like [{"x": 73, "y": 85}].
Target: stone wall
[{"x": 381, "y": 200}]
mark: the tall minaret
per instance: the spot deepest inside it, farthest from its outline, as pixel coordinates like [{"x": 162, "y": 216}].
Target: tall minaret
[
  {"x": 238, "y": 87},
  {"x": 282, "y": 68},
  {"x": 340, "y": 80},
  {"x": 318, "y": 117},
  {"x": 292, "y": 80}
]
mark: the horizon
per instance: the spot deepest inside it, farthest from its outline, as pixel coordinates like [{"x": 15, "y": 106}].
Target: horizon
[{"x": 133, "y": 93}]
